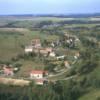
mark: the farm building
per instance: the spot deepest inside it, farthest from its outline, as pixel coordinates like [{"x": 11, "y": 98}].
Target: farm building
[
  {"x": 28, "y": 49},
  {"x": 52, "y": 54},
  {"x": 8, "y": 71},
  {"x": 36, "y": 43},
  {"x": 66, "y": 63},
  {"x": 60, "y": 57},
  {"x": 45, "y": 51},
  {"x": 38, "y": 74}
]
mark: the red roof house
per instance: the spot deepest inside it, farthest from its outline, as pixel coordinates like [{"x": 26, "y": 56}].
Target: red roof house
[
  {"x": 38, "y": 74},
  {"x": 8, "y": 71}
]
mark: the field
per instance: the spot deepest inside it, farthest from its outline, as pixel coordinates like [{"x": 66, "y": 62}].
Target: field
[
  {"x": 11, "y": 41},
  {"x": 92, "y": 95}
]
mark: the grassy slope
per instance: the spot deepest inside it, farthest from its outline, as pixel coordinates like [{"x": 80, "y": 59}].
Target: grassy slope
[
  {"x": 92, "y": 95},
  {"x": 28, "y": 66},
  {"x": 10, "y": 46}
]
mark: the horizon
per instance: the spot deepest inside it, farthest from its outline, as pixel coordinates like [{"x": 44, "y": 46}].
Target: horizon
[{"x": 30, "y": 14}]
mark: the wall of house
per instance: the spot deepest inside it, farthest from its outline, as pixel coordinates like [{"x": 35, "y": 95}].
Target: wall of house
[
  {"x": 28, "y": 50},
  {"x": 37, "y": 76}
]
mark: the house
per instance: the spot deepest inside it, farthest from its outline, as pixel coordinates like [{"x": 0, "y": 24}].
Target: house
[
  {"x": 49, "y": 49},
  {"x": 52, "y": 44},
  {"x": 66, "y": 63},
  {"x": 38, "y": 74},
  {"x": 45, "y": 51},
  {"x": 52, "y": 54},
  {"x": 60, "y": 57},
  {"x": 28, "y": 49},
  {"x": 8, "y": 71},
  {"x": 77, "y": 55},
  {"x": 36, "y": 43}
]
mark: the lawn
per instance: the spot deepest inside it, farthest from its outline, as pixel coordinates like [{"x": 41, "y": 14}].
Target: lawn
[
  {"x": 28, "y": 66},
  {"x": 11, "y": 43}
]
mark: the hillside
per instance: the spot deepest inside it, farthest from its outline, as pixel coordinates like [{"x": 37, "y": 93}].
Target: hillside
[{"x": 69, "y": 49}]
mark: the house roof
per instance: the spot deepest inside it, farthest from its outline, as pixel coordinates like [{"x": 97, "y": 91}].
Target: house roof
[
  {"x": 66, "y": 62},
  {"x": 28, "y": 47},
  {"x": 8, "y": 71},
  {"x": 38, "y": 71},
  {"x": 35, "y": 41},
  {"x": 43, "y": 51},
  {"x": 49, "y": 49}
]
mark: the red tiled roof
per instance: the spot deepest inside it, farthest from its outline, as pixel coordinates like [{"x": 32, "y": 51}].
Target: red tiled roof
[
  {"x": 38, "y": 72},
  {"x": 8, "y": 71}
]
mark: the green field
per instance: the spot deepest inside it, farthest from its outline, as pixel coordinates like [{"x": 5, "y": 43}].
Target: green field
[{"x": 94, "y": 94}]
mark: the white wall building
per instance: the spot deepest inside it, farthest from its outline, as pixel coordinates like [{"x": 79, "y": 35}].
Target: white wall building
[
  {"x": 52, "y": 54},
  {"x": 38, "y": 74},
  {"x": 28, "y": 49}
]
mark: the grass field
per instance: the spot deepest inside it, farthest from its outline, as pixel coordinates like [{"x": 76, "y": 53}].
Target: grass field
[
  {"x": 80, "y": 25},
  {"x": 28, "y": 66},
  {"x": 10, "y": 43},
  {"x": 94, "y": 94}
]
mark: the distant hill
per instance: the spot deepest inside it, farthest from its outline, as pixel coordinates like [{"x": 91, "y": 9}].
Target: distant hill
[{"x": 55, "y": 15}]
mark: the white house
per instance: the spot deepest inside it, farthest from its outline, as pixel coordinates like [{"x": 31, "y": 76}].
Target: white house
[
  {"x": 28, "y": 49},
  {"x": 8, "y": 71},
  {"x": 77, "y": 55},
  {"x": 38, "y": 74},
  {"x": 66, "y": 63},
  {"x": 52, "y": 54},
  {"x": 60, "y": 57},
  {"x": 36, "y": 43}
]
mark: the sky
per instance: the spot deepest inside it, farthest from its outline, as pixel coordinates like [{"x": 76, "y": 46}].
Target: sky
[{"x": 49, "y": 6}]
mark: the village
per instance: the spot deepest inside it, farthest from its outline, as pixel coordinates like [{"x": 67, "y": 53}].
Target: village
[{"x": 59, "y": 61}]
